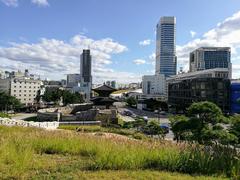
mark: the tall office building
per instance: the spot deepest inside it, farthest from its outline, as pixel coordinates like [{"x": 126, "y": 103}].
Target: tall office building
[
  {"x": 86, "y": 74},
  {"x": 210, "y": 58},
  {"x": 86, "y": 66},
  {"x": 166, "y": 60}
]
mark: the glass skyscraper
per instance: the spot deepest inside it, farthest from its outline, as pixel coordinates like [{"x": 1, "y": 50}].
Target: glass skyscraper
[
  {"x": 166, "y": 60},
  {"x": 86, "y": 74},
  {"x": 85, "y": 66}
]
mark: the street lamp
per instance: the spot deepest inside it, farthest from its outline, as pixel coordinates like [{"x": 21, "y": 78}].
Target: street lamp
[{"x": 158, "y": 112}]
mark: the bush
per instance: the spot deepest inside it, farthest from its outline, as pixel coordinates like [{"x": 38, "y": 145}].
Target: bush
[{"x": 4, "y": 115}]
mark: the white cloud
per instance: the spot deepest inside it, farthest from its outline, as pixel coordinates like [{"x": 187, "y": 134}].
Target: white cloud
[
  {"x": 145, "y": 42},
  {"x": 53, "y": 58},
  {"x": 193, "y": 34},
  {"x": 226, "y": 33},
  {"x": 139, "y": 61},
  {"x": 152, "y": 57},
  {"x": 13, "y": 3},
  {"x": 40, "y": 2}
]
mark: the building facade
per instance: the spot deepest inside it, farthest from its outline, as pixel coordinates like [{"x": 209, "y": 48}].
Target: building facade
[
  {"x": 208, "y": 85},
  {"x": 24, "y": 89},
  {"x": 154, "y": 84},
  {"x": 235, "y": 96},
  {"x": 73, "y": 80},
  {"x": 86, "y": 74},
  {"x": 166, "y": 60},
  {"x": 86, "y": 66},
  {"x": 209, "y": 58}
]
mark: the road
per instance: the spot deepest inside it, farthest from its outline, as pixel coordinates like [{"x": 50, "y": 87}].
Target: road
[
  {"x": 22, "y": 116},
  {"x": 151, "y": 116}
]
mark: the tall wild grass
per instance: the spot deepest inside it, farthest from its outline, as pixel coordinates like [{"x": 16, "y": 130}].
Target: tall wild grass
[{"x": 19, "y": 147}]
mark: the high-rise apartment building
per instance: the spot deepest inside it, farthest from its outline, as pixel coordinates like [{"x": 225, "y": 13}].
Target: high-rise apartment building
[
  {"x": 209, "y": 58},
  {"x": 166, "y": 60}
]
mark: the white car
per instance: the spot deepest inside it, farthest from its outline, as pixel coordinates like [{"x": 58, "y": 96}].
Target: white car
[{"x": 145, "y": 118}]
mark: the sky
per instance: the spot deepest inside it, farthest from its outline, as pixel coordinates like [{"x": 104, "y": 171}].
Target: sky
[{"x": 47, "y": 36}]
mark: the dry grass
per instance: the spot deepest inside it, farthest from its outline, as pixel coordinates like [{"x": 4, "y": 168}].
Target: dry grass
[{"x": 34, "y": 153}]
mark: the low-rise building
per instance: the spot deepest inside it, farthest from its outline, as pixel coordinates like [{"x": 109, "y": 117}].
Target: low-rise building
[
  {"x": 208, "y": 85},
  {"x": 22, "y": 86},
  {"x": 154, "y": 85},
  {"x": 25, "y": 89}
]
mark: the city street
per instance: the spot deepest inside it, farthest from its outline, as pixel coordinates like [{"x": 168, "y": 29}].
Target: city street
[
  {"x": 163, "y": 119},
  {"x": 22, "y": 116}
]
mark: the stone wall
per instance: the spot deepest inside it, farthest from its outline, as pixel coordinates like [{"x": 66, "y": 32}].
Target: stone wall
[
  {"x": 89, "y": 115},
  {"x": 44, "y": 125},
  {"x": 48, "y": 116},
  {"x": 107, "y": 116},
  {"x": 83, "y": 112}
]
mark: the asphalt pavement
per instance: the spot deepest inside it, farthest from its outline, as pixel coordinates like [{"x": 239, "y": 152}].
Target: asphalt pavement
[
  {"x": 151, "y": 116},
  {"x": 22, "y": 116}
]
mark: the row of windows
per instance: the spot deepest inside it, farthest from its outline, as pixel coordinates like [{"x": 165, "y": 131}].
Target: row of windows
[
  {"x": 21, "y": 82},
  {"x": 21, "y": 95},
  {"x": 24, "y": 91},
  {"x": 25, "y": 99},
  {"x": 34, "y": 87}
]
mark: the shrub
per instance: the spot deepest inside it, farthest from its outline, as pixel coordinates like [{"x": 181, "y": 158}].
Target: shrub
[{"x": 4, "y": 115}]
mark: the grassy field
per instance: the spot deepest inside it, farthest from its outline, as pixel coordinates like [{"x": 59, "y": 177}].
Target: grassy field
[
  {"x": 28, "y": 153},
  {"x": 85, "y": 128}
]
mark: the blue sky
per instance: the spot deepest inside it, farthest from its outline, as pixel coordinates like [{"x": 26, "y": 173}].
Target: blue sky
[{"x": 47, "y": 36}]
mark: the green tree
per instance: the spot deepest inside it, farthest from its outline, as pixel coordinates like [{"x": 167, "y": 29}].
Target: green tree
[
  {"x": 235, "y": 127},
  {"x": 8, "y": 102},
  {"x": 203, "y": 116},
  {"x": 139, "y": 124},
  {"x": 153, "y": 128},
  {"x": 204, "y": 124},
  {"x": 71, "y": 98},
  {"x": 180, "y": 127},
  {"x": 54, "y": 95},
  {"x": 131, "y": 101}
]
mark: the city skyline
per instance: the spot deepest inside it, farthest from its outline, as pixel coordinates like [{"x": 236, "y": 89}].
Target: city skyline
[{"x": 51, "y": 41}]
